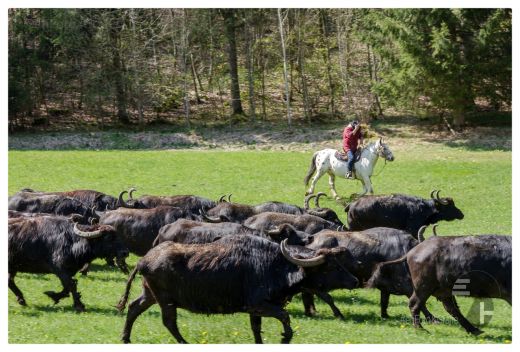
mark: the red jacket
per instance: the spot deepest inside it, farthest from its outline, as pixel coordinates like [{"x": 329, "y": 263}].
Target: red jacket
[{"x": 350, "y": 141}]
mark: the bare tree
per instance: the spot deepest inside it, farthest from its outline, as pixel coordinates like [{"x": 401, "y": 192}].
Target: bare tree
[{"x": 285, "y": 76}]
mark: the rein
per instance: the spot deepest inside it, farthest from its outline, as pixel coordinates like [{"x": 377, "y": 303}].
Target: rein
[{"x": 380, "y": 170}]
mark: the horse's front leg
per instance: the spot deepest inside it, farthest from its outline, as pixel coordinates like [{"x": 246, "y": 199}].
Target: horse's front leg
[
  {"x": 333, "y": 186},
  {"x": 315, "y": 179},
  {"x": 367, "y": 183}
]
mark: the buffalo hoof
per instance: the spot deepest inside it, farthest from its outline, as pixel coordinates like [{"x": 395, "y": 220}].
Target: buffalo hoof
[
  {"x": 476, "y": 332},
  {"x": 80, "y": 308},
  {"x": 310, "y": 312},
  {"x": 384, "y": 316},
  {"x": 125, "y": 340},
  {"x": 21, "y": 301},
  {"x": 56, "y": 297}
]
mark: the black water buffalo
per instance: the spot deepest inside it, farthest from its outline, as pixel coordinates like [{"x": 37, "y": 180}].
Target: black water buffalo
[
  {"x": 369, "y": 247},
  {"x": 138, "y": 228},
  {"x": 90, "y": 198},
  {"x": 191, "y": 232},
  {"x": 235, "y": 274},
  {"x": 54, "y": 244},
  {"x": 39, "y": 202},
  {"x": 400, "y": 211},
  {"x": 188, "y": 202},
  {"x": 279, "y": 207},
  {"x": 236, "y": 212},
  {"x": 475, "y": 266},
  {"x": 306, "y": 222}
]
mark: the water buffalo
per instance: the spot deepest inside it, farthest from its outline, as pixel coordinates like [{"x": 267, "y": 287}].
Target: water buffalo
[
  {"x": 54, "y": 244},
  {"x": 37, "y": 202},
  {"x": 190, "y": 231},
  {"x": 306, "y": 223},
  {"x": 138, "y": 228},
  {"x": 442, "y": 266},
  {"x": 369, "y": 247},
  {"x": 400, "y": 211},
  {"x": 191, "y": 203},
  {"x": 235, "y": 274}
]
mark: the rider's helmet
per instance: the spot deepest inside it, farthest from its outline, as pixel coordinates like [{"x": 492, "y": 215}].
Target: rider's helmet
[{"x": 354, "y": 123}]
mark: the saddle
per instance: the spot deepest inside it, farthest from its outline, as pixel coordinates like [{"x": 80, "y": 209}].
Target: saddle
[{"x": 343, "y": 156}]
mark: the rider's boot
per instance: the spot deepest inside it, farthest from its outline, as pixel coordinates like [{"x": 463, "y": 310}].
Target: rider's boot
[{"x": 349, "y": 174}]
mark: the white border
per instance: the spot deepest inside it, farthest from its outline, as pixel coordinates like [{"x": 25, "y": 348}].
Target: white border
[{"x": 267, "y": 4}]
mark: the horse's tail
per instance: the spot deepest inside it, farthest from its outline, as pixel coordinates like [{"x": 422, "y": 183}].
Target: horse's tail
[{"x": 312, "y": 169}]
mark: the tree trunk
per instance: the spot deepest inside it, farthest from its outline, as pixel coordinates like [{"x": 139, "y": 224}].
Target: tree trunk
[
  {"x": 229, "y": 21},
  {"x": 117, "y": 69},
  {"x": 250, "y": 74},
  {"x": 184, "y": 41},
  {"x": 194, "y": 78},
  {"x": 286, "y": 79},
  {"x": 328, "y": 64},
  {"x": 301, "y": 66}
]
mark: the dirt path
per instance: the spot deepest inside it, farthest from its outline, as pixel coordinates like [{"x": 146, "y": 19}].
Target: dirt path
[{"x": 267, "y": 138}]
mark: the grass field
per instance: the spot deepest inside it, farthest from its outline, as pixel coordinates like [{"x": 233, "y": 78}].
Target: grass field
[{"x": 479, "y": 181}]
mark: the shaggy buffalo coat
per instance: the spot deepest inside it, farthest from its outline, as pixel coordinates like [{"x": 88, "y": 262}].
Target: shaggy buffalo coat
[
  {"x": 48, "y": 244},
  {"x": 235, "y": 274}
]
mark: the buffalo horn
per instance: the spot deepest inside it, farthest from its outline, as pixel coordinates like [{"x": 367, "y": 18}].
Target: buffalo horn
[
  {"x": 317, "y": 200},
  {"x": 306, "y": 201},
  {"x": 122, "y": 203},
  {"x": 442, "y": 201},
  {"x": 420, "y": 233},
  {"x": 131, "y": 191},
  {"x": 304, "y": 263},
  {"x": 229, "y": 197},
  {"x": 432, "y": 193},
  {"x": 434, "y": 229},
  {"x": 89, "y": 234},
  {"x": 222, "y": 199},
  {"x": 208, "y": 218}
]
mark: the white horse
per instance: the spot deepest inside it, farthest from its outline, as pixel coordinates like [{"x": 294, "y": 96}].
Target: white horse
[{"x": 324, "y": 161}]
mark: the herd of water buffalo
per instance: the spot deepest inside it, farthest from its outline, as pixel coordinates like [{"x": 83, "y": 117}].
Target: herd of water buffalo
[{"x": 219, "y": 257}]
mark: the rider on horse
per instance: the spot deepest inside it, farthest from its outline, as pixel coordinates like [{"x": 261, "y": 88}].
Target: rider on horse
[{"x": 352, "y": 135}]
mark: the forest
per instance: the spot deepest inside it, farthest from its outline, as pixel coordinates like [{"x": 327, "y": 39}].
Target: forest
[{"x": 123, "y": 67}]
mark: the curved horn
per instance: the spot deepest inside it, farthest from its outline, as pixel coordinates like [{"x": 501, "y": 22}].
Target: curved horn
[
  {"x": 306, "y": 201},
  {"x": 434, "y": 229},
  {"x": 432, "y": 193},
  {"x": 420, "y": 233},
  {"x": 131, "y": 191},
  {"x": 229, "y": 197},
  {"x": 319, "y": 213},
  {"x": 88, "y": 234},
  {"x": 442, "y": 201},
  {"x": 76, "y": 217},
  {"x": 304, "y": 263},
  {"x": 380, "y": 140},
  {"x": 209, "y": 219},
  {"x": 121, "y": 201},
  {"x": 317, "y": 200},
  {"x": 275, "y": 231},
  {"x": 222, "y": 199}
]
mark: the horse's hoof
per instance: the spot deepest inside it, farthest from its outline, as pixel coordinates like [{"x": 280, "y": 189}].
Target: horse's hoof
[{"x": 337, "y": 198}]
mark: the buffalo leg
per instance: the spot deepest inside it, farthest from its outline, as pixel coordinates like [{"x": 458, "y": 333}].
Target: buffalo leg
[
  {"x": 256, "y": 326},
  {"x": 16, "y": 290},
  {"x": 451, "y": 306},
  {"x": 415, "y": 304},
  {"x": 277, "y": 312},
  {"x": 136, "y": 308},
  {"x": 84, "y": 270},
  {"x": 308, "y": 304},
  {"x": 385, "y": 299},
  {"x": 69, "y": 285},
  {"x": 169, "y": 318},
  {"x": 430, "y": 318},
  {"x": 330, "y": 301}
]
